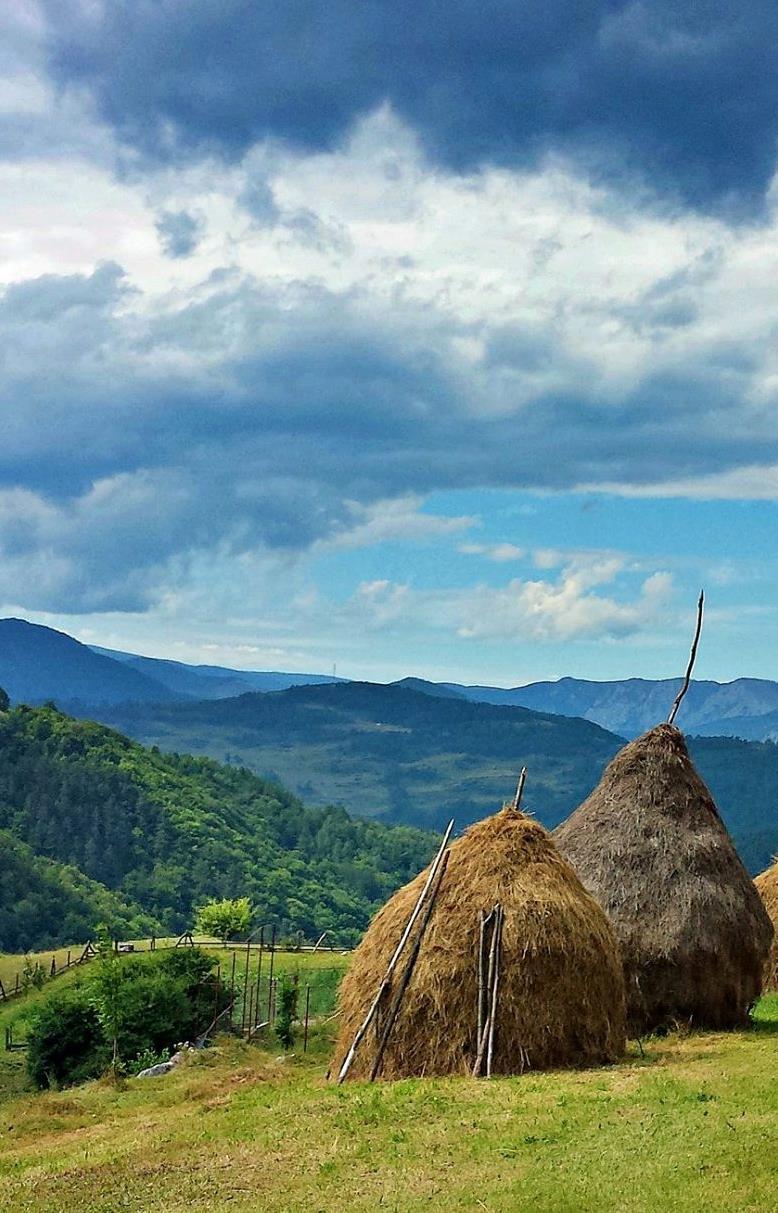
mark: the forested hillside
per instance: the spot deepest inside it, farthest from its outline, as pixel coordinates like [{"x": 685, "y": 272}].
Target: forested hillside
[
  {"x": 387, "y": 751},
  {"x": 160, "y": 833},
  {"x": 401, "y": 755}
]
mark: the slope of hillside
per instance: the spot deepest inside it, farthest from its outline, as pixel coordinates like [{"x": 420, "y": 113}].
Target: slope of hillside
[
  {"x": 404, "y": 755},
  {"x": 39, "y": 663},
  {"x": 159, "y": 834},
  {"x": 387, "y": 751}
]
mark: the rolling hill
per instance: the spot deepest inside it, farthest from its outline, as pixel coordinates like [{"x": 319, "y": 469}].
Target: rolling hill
[
  {"x": 93, "y": 826},
  {"x": 402, "y": 755}
]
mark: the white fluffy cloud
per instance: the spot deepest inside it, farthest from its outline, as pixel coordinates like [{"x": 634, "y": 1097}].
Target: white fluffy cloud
[{"x": 569, "y": 607}]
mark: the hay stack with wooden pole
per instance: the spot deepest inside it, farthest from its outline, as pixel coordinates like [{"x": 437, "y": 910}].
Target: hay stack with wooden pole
[
  {"x": 512, "y": 965},
  {"x": 650, "y": 845},
  {"x": 767, "y": 885}
]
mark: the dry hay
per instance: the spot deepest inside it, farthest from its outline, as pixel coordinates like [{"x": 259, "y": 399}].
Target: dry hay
[
  {"x": 650, "y": 845},
  {"x": 561, "y": 994},
  {"x": 767, "y": 884}
]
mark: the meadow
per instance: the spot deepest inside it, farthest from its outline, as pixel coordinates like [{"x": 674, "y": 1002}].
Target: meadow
[{"x": 689, "y": 1123}]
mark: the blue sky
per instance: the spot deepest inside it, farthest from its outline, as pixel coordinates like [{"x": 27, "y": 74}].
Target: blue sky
[{"x": 433, "y": 339}]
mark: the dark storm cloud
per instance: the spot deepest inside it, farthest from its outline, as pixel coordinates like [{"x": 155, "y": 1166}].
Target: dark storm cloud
[
  {"x": 685, "y": 95},
  {"x": 254, "y": 416}
]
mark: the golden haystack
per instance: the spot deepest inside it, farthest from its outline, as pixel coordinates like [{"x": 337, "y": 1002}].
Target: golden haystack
[
  {"x": 561, "y": 993},
  {"x": 767, "y": 884},
  {"x": 650, "y": 845}
]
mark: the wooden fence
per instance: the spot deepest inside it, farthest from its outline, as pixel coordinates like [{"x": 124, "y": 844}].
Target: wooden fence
[{"x": 249, "y": 977}]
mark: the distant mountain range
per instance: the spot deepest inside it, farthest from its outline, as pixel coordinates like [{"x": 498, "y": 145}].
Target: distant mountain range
[
  {"x": 747, "y": 707},
  {"x": 39, "y": 663},
  {"x": 212, "y": 681}
]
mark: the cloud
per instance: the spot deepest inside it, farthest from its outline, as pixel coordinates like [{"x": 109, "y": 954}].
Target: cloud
[
  {"x": 569, "y": 608},
  {"x": 392, "y": 521},
  {"x": 500, "y": 553},
  {"x": 682, "y": 95},
  {"x": 179, "y": 233}
]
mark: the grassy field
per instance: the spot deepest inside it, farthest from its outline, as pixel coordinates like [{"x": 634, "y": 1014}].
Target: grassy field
[{"x": 691, "y": 1126}]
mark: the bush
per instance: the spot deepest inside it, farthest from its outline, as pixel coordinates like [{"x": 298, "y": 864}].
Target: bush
[
  {"x": 65, "y": 1042},
  {"x": 287, "y": 1011},
  {"x": 161, "y": 1000}
]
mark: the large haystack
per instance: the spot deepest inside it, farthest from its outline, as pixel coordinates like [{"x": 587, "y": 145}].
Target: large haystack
[
  {"x": 767, "y": 884},
  {"x": 561, "y": 993},
  {"x": 651, "y": 847}
]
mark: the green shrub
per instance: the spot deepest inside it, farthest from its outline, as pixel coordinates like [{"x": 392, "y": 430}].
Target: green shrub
[
  {"x": 158, "y": 1001},
  {"x": 287, "y": 1011},
  {"x": 65, "y": 1042}
]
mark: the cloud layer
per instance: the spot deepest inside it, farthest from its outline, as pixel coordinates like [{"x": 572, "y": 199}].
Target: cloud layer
[{"x": 682, "y": 95}]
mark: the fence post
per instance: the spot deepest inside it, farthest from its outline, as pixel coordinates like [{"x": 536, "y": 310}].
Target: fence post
[
  {"x": 270, "y": 979},
  {"x": 2, "y": 990},
  {"x": 245, "y": 987},
  {"x": 53, "y": 969},
  {"x": 68, "y": 957},
  {"x": 232, "y": 987},
  {"x": 307, "y": 1010},
  {"x": 16, "y": 984}
]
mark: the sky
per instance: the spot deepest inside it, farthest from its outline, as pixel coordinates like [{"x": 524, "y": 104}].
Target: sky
[{"x": 432, "y": 339}]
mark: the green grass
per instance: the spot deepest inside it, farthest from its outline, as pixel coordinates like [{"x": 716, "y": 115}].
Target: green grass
[{"x": 691, "y": 1126}]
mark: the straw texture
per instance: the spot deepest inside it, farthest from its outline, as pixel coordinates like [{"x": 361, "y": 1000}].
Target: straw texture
[
  {"x": 767, "y": 884},
  {"x": 650, "y": 845},
  {"x": 561, "y": 995}
]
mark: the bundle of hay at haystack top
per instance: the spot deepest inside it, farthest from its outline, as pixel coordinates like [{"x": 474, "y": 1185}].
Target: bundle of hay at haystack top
[
  {"x": 650, "y": 845},
  {"x": 561, "y": 992},
  {"x": 767, "y": 884}
]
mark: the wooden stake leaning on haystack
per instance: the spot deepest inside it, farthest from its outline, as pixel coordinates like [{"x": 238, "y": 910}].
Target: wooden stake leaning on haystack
[
  {"x": 385, "y": 984},
  {"x": 489, "y": 940},
  {"x": 391, "y": 1017}
]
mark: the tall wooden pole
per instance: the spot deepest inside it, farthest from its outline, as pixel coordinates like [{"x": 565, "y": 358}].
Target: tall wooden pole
[
  {"x": 692, "y": 658},
  {"x": 270, "y": 978},
  {"x": 245, "y": 987}
]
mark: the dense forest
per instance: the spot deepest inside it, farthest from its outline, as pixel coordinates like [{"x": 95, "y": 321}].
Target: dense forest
[
  {"x": 400, "y": 755},
  {"x": 96, "y": 827}
]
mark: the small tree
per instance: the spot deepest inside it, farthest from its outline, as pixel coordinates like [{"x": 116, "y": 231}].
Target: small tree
[
  {"x": 105, "y": 993},
  {"x": 5, "y": 702},
  {"x": 32, "y": 974},
  {"x": 287, "y": 1011},
  {"x": 224, "y": 919}
]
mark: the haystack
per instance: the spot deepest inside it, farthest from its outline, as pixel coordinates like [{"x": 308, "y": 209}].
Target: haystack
[
  {"x": 650, "y": 845},
  {"x": 561, "y": 995},
  {"x": 767, "y": 884}
]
